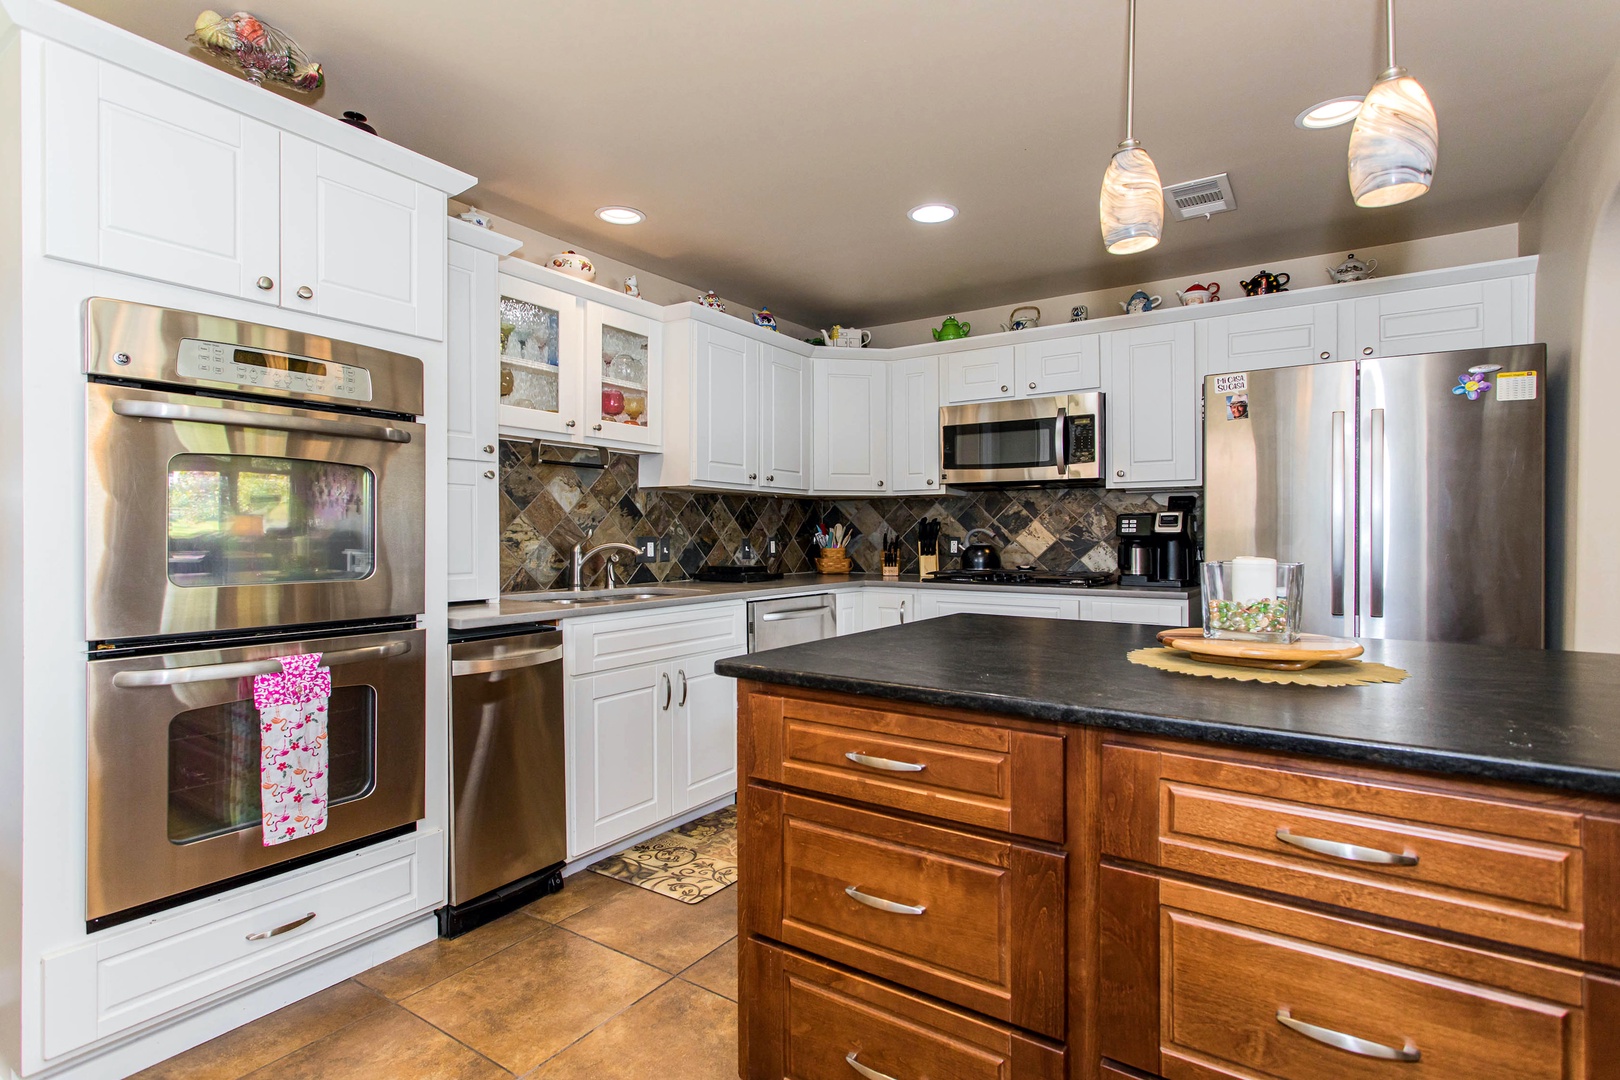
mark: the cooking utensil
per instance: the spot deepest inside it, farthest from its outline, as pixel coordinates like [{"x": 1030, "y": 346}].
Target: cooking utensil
[{"x": 979, "y": 556}]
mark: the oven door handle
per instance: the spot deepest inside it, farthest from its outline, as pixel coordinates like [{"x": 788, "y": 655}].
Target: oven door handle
[
  {"x": 203, "y": 414},
  {"x": 127, "y": 680}
]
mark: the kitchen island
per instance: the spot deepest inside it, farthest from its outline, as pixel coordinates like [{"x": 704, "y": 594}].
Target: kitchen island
[{"x": 995, "y": 846}]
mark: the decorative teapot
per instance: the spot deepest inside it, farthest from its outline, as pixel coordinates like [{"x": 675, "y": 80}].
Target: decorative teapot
[
  {"x": 1078, "y": 313},
  {"x": 847, "y": 337},
  {"x": 710, "y": 300},
  {"x": 574, "y": 264},
  {"x": 1025, "y": 322},
  {"x": 1353, "y": 269},
  {"x": 1200, "y": 294},
  {"x": 1265, "y": 282},
  {"x": 1140, "y": 302},
  {"x": 950, "y": 329},
  {"x": 763, "y": 317}
]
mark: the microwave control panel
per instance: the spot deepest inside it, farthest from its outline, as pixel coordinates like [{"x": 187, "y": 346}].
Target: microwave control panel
[
  {"x": 221, "y": 362},
  {"x": 1083, "y": 439}
]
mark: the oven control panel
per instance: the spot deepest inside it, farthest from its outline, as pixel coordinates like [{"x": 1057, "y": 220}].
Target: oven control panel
[{"x": 222, "y": 362}]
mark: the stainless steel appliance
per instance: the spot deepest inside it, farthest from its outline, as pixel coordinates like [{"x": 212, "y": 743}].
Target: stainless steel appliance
[
  {"x": 212, "y": 508},
  {"x": 508, "y": 808},
  {"x": 1417, "y": 511},
  {"x": 1156, "y": 550},
  {"x": 1032, "y": 441},
  {"x": 1081, "y": 580},
  {"x": 173, "y": 763},
  {"x": 792, "y": 620}
]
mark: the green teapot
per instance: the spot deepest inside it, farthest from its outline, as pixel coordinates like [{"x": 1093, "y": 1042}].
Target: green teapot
[{"x": 950, "y": 329}]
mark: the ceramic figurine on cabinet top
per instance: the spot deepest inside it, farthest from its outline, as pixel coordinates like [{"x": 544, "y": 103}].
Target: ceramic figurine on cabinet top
[
  {"x": 710, "y": 300},
  {"x": 1078, "y": 313},
  {"x": 631, "y": 286},
  {"x": 1016, "y": 321},
  {"x": 1353, "y": 269},
  {"x": 1265, "y": 282},
  {"x": 1140, "y": 302},
  {"x": 260, "y": 50},
  {"x": 475, "y": 216},
  {"x": 574, "y": 264},
  {"x": 763, "y": 317},
  {"x": 950, "y": 329}
]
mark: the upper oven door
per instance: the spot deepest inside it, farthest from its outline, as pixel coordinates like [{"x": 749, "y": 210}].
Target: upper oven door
[{"x": 206, "y": 514}]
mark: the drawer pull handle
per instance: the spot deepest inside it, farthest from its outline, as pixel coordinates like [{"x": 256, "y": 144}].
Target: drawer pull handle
[
  {"x": 264, "y": 935},
  {"x": 870, "y": 1074},
  {"x": 884, "y": 763},
  {"x": 881, "y": 904},
  {"x": 1347, "y": 852},
  {"x": 1340, "y": 1041}
]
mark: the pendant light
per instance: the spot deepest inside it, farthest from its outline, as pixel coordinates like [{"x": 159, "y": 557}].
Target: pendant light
[
  {"x": 1132, "y": 203},
  {"x": 1396, "y": 140}
]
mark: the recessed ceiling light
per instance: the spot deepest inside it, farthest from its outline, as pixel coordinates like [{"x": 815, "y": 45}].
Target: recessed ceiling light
[
  {"x": 621, "y": 215},
  {"x": 1329, "y": 113},
  {"x": 932, "y": 213}
]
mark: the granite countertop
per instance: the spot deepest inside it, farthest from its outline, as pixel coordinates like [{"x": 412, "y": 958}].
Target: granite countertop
[
  {"x": 1532, "y": 716},
  {"x": 509, "y": 612}
]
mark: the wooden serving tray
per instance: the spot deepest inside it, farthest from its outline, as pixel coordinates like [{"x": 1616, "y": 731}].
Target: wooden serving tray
[{"x": 1308, "y": 651}]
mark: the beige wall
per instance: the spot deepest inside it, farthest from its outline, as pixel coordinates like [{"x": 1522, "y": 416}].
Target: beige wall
[
  {"x": 1574, "y": 225},
  {"x": 1456, "y": 249},
  {"x": 539, "y": 247}
]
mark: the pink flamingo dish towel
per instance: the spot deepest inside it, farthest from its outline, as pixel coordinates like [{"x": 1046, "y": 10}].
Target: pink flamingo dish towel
[{"x": 292, "y": 747}]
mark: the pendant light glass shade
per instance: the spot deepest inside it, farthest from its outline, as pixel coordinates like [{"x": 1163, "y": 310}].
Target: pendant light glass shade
[
  {"x": 1132, "y": 203},
  {"x": 1395, "y": 143}
]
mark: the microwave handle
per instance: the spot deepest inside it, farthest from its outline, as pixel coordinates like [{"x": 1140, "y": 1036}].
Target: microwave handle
[
  {"x": 1060, "y": 439},
  {"x": 126, "y": 680},
  {"x": 202, "y": 414}
]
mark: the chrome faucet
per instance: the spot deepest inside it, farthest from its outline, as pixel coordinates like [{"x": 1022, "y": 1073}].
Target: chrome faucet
[{"x": 581, "y": 557}]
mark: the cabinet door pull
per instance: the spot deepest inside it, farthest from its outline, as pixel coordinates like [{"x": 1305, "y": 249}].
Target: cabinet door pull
[
  {"x": 669, "y": 691},
  {"x": 266, "y": 283},
  {"x": 1326, "y": 355},
  {"x": 489, "y": 448},
  {"x": 596, "y": 427},
  {"x": 305, "y": 292},
  {"x": 753, "y": 476},
  {"x": 1368, "y": 351},
  {"x": 881, "y": 904},
  {"x": 884, "y": 763},
  {"x": 1004, "y": 388},
  {"x": 902, "y": 612},
  {"x": 489, "y": 474},
  {"x": 880, "y": 483},
  {"x": 570, "y": 423},
  {"x": 1340, "y": 1041},
  {"x": 1032, "y": 386},
  {"x": 869, "y": 1074},
  {"x": 682, "y": 673},
  {"x": 771, "y": 479},
  {"x": 1348, "y": 852},
  {"x": 930, "y": 481},
  {"x": 264, "y": 935}
]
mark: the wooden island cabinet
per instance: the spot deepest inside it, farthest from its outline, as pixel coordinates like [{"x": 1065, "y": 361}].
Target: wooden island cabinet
[{"x": 938, "y": 893}]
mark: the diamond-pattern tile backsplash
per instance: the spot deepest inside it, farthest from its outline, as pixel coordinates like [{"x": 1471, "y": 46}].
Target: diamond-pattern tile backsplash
[{"x": 547, "y": 509}]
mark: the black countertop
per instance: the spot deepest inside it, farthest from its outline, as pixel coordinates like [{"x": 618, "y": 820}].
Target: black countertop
[{"x": 1550, "y": 718}]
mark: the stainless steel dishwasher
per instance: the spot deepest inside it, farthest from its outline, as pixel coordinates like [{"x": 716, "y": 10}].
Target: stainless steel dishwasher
[
  {"x": 792, "y": 620},
  {"x": 508, "y": 810}
]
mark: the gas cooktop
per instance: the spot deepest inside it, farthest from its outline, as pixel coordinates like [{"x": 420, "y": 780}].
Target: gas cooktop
[{"x": 1082, "y": 580}]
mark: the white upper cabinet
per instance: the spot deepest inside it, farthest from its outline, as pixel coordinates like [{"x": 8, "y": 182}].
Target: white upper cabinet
[
  {"x": 1153, "y": 395},
  {"x": 542, "y": 351},
  {"x": 1470, "y": 315},
  {"x": 852, "y": 426},
  {"x": 1059, "y": 365},
  {"x": 623, "y": 382},
  {"x": 980, "y": 375},
  {"x": 726, "y": 420},
  {"x": 785, "y": 406},
  {"x": 360, "y": 243},
  {"x": 914, "y": 426},
  {"x": 147, "y": 179},
  {"x": 1281, "y": 337}
]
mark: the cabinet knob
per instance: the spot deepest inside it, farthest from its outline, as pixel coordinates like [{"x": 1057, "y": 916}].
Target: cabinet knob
[
  {"x": 1031, "y": 386},
  {"x": 1119, "y": 472},
  {"x": 489, "y": 474},
  {"x": 489, "y": 448},
  {"x": 930, "y": 481},
  {"x": 266, "y": 283},
  {"x": 569, "y": 424},
  {"x": 1368, "y": 351},
  {"x": 596, "y": 427},
  {"x": 1326, "y": 355},
  {"x": 880, "y": 483},
  {"x": 1004, "y": 388},
  {"x": 770, "y": 478},
  {"x": 753, "y": 476},
  {"x": 305, "y": 292}
]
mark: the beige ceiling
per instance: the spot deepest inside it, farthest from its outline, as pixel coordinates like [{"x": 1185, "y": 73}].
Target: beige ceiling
[{"x": 776, "y": 144}]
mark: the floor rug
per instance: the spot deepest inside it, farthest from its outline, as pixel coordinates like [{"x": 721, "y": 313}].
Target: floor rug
[{"x": 690, "y": 862}]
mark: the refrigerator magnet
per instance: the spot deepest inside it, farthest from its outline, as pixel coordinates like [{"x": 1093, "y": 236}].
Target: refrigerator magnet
[
  {"x": 1471, "y": 384},
  {"x": 1516, "y": 386},
  {"x": 1237, "y": 406}
]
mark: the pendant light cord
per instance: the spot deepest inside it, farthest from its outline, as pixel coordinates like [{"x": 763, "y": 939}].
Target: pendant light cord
[
  {"x": 1130, "y": 74},
  {"x": 1389, "y": 21}
]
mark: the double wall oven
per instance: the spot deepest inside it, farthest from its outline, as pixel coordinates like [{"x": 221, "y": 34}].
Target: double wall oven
[{"x": 251, "y": 493}]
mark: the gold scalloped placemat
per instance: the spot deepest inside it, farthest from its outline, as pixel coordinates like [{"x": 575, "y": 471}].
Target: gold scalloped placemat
[{"x": 1327, "y": 673}]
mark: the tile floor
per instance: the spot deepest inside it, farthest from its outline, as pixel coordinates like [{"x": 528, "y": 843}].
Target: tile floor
[{"x": 600, "y": 980}]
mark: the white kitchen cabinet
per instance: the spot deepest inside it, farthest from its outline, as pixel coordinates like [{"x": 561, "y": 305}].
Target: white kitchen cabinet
[
  {"x": 1133, "y": 609},
  {"x": 472, "y": 404},
  {"x": 1059, "y": 365},
  {"x": 1469, "y": 315},
  {"x": 624, "y": 403},
  {"x": 936, "y": 603},
  {"x": 725, "y": 386},
  {"x": 1280, "y": 337},
  {"x": 542, "y": 352},
  {"x": 852, "y": 426},
  {"x": 980, "y": 374},
  {"x": 1153, "y": 406},
  {"x": 914, "y": 426},
  {"x": 882, "y": 607},
  {"x": 848, "y": 611},
  {"x": 704, "y": 752},
  {"x": 620, "y": 745},
  {"x": 787, "y": 415}
]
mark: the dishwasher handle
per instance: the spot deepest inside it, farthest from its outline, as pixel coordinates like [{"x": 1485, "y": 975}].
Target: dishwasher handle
[
  {"x": 794, "y": 613},
  {"x": 509, "y": 662}
]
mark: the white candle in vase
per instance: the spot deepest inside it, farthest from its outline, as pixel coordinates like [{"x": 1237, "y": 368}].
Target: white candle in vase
[{"x": 1253, "y": 579}]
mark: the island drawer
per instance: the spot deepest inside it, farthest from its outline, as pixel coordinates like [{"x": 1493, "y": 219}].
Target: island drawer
[
  {"x": 1494, "y": 868},
  {"x": 812, "y": 1021},
  {"x": 969, "y": 919},
  {"x": 1225, "y": 986},
  {"x": 976, "y": 774}
]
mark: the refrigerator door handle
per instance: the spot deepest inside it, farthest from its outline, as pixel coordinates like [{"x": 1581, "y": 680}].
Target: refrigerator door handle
[
  {"x": 1375, "y": 604},
  {"x": 1339, "y": 494}
]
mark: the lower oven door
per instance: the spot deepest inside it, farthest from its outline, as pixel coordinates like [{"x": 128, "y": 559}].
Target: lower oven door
[{"x": 174, "y": 780}]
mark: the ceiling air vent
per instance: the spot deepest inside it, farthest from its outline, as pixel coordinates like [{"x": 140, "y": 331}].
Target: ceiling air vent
[{"x": 1200, "y": 198}]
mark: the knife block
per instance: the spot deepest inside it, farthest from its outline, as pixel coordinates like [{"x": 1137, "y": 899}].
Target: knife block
[{"x": 927, "y": 564}]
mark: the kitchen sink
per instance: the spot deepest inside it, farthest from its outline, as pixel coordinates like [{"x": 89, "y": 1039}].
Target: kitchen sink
[{"x": 585, "y": 597}]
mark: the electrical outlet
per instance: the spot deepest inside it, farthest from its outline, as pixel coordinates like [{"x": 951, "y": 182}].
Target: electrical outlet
[
  {"x": 647, "y": 549},
  {"x": 770, "y": 547},
  {"x": 746, "y": 552},
  {"x": 956, "y": 546},
  {"x": 664, "y": 550}
]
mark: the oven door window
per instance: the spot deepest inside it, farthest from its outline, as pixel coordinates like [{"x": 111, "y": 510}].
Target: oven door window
[
  {"x": 1002, "y": 444},
  {"x": 235, "y": 519},
  {"x": 214, "y": 763}
]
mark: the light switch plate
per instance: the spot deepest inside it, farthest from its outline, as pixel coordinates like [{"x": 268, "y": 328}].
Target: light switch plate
[
  {"x": 956, "y": 546},
  {"x": 648, "y": 549}
]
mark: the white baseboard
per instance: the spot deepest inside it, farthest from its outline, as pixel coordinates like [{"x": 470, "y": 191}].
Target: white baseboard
[{"x": 570, "y": 869}]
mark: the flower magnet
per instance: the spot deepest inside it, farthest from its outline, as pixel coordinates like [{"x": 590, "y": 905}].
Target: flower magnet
[{"x": 1472, "y": 384}]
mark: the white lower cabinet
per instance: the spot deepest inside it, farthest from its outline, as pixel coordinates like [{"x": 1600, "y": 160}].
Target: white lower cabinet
[
  {"x": 1143, "y": 611},
  {"x": 887, "y": 607},
  {"x": 705, "y": 713},
  {"x": 933, "y": 604},
  {"x": 620, "y": 741},
  {"x": 848, "y": 613}
]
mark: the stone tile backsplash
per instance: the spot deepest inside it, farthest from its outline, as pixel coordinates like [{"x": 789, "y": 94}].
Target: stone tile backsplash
[{"x": 547, "y": 509}]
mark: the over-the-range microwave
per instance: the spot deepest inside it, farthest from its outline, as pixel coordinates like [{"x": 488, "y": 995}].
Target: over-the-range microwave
[{"x": 1046, "y": 440}]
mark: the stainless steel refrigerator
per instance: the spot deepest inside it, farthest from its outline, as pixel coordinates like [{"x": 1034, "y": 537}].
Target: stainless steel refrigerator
[{"x": 1412, "y": 493}]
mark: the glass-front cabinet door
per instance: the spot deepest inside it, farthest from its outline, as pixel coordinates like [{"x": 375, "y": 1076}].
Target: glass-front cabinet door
[
  {"x": 542, "y": 343},
  {"x": 623, "y": 353}
]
